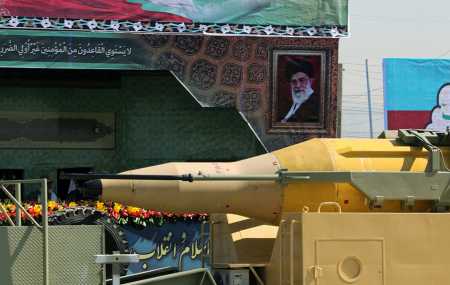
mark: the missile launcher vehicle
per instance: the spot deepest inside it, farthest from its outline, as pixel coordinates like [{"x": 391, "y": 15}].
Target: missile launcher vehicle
[{"x": 326, "y": 211}]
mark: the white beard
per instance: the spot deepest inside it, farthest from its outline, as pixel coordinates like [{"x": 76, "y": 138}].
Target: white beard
[{"x": 298, "y": 98}]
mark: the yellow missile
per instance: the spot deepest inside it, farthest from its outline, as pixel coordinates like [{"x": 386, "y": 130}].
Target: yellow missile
[{"x": 252, "y": 187}]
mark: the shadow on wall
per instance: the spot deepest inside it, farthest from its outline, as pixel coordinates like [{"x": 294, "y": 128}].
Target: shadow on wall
[
  {"x": 150, "y": 115},
  {"x": 14, "y": 251}
]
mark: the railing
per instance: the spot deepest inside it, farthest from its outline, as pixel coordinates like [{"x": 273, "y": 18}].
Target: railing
[{"x": 20, "y": 208}]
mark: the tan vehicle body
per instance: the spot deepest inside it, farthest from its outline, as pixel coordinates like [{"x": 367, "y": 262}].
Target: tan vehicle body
[{"x": 276, "y": 226}]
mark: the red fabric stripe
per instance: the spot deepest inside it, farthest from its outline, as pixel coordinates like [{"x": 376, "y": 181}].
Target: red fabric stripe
[
  {"x": 86, "y": 9},
  {"x": 408, "y": 119}
]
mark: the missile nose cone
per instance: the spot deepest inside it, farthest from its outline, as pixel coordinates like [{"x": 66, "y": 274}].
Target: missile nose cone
[{"x": 92, "y": 188}]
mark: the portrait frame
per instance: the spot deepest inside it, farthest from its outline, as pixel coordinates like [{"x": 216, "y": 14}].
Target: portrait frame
[{"x": 316, "y": 121}]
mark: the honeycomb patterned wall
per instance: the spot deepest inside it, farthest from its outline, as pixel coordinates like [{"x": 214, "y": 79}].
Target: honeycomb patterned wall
[{"x": 230, "y": 71}]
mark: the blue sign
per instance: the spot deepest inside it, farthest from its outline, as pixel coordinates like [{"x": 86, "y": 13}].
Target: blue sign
[
  {"x": 417, "y": 93},
  {"x": 181, "y": 245}
]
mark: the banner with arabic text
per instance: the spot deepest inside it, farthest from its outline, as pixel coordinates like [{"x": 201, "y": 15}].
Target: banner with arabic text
[
  {"x": 261, "y": 17},
  {"x": 54, "y": 51},
  {"x": 176, "y": 245}
]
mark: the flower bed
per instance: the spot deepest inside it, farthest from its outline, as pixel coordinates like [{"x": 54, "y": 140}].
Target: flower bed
[{"x": 120, "y": 213}]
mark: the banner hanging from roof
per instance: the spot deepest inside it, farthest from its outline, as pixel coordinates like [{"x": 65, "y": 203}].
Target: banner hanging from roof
[
  {"x": 307, "y": 18},
  {"x": 417, "y": 93}
]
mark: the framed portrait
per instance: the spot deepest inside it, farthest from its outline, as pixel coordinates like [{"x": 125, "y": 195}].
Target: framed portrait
[{"x": 299, "y": 91}]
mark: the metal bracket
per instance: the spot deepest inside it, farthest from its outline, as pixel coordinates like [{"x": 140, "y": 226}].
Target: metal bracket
[
  {"x": 409, "y": 202},
  {"x": 377, "y": 186},
  {"x": 317, "y": 272},
  {"x": 377, "y": 202},
  {"x": 335, "y": 204},
  {"x": 428, "y": 140},
  {"x": 116, "y": 259}
]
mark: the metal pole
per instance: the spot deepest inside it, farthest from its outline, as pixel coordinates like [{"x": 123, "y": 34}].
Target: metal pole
[
  {"x": 19, "y": 199},
  {"x": 116, "y": 273},
  {"x": 10, "y": 196},
  {"x": 369, "y": 99},
  {"x": 184, "y": 177},
  {"x": 45, "y": 227}
]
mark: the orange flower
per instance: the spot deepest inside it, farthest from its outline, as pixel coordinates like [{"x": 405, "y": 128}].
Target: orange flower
[
  {"x": 116, "y": 210},
  {"x": 10, "y": 207},
  {"x": 117, "y": 207},
  {"x": 52, "y": 205},
  {"x": 134, "y": 212},
  {"x": 100, "y": 206},
  {"x": 37, "y": 210}
]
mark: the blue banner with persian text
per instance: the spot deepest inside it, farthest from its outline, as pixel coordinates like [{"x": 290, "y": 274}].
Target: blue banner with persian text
[{"x": 183, "y": 245}]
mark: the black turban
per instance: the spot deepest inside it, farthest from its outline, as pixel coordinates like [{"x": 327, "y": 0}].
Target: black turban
[{"x": 293, "y": 67}]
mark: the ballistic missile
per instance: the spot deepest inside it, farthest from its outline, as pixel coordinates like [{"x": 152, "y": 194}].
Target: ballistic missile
[{"x": 360, "y": 175}]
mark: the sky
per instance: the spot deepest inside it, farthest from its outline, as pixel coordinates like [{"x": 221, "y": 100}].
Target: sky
[{"x": 382, "y": 29}]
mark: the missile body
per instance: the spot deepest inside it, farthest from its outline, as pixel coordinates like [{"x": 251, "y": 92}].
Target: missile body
[
  {"x": 266, "y": 200},
  {"x": 244, "y": 197}
]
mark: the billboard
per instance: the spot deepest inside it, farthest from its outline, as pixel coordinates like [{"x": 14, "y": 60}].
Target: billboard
[
  {"x": 261, "y": 17},
  {"x": 417, "y": 93}
]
